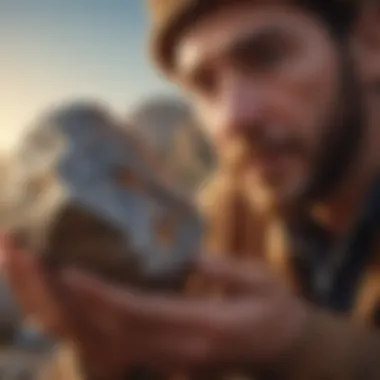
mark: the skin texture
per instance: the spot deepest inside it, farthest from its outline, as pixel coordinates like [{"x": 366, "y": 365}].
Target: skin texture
[{"x": 270, "y": 117}]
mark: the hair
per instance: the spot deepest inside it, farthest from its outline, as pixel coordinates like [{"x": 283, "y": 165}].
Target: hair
[{"x": 339, "y": 15}]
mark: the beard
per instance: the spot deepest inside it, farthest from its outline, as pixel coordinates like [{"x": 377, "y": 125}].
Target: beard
[
  {"x": 342, "y": 139},
  {"x": 343, "y": 130}
]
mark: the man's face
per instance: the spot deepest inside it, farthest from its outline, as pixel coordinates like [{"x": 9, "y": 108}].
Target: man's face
[{"x": 266, "y": 82}]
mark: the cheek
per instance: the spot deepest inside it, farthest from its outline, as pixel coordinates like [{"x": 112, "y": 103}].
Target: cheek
[
  {"x": 208, "y": 115},
  {"x": 310, "y": 87}
]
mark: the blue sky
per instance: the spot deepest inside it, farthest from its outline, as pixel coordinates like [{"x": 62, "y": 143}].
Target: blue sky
[{"x": 52, "y": 50}]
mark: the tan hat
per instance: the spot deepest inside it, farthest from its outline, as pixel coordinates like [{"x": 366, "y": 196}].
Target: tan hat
[{"x": 170, "y": 17}]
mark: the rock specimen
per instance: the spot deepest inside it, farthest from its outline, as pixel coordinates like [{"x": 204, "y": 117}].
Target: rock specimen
[{"x": 83, "y": 193}]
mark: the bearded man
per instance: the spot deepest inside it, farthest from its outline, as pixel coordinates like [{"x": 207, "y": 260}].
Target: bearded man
[{"x": 289, "y": 94}]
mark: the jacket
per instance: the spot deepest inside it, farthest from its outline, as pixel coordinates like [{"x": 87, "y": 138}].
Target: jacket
[{"x": 333, "y": 347}]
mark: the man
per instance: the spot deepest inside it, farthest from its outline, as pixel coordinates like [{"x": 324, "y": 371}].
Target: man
[{"x": 289, "y": 92}]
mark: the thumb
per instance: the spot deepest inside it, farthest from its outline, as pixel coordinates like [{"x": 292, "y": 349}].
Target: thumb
[
  {"x": 236, "y": 275},
  {"x": 7, "y": 247}
]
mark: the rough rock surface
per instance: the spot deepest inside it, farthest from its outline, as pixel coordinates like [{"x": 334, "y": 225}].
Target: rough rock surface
[{"x": 83, "y": 193}]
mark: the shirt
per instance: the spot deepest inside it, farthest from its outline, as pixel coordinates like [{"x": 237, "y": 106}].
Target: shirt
[{"x": 330, "y": 270}]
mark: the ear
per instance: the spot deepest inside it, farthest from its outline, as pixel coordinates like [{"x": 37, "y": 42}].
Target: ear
[{"x": 366, "y": 42}]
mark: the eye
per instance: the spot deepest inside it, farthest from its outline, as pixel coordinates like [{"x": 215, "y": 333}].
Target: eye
[
  {"x": 269, "y": 56},
  {"x": 205, "y": 82},
  {"x": 264, "y": 56},
  {"x": 265, "y": 51}
]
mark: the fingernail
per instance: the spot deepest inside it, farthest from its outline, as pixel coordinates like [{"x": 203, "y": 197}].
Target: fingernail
[{"x": 6, "y": 241}]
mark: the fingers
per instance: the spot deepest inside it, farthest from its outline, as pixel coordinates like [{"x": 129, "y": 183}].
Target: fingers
[
  {"x": 23, "y": 274},
  {"x": 160, "y": 330},
  {"x": 237, "y": 276},
  {"x": 2, "y": 257},
  {"x": 31, "y": 287},
  {"x": 134, "y": 309},
  {"x": 97, "y": 310}
]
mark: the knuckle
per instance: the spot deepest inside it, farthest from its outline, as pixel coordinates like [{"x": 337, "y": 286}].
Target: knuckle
[
  {"x": 198, "y": 353},
  {"x": 207, "y": 349},
  {"x": 221, "y": 330}
]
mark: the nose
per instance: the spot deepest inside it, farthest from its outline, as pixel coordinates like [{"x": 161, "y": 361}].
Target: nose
[{"x": 241, "y": 107}]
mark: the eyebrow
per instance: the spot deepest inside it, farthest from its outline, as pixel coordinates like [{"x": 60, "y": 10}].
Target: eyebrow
[
  {"x": 238, "y": 48},
  {"x": 256, "y": 39}
]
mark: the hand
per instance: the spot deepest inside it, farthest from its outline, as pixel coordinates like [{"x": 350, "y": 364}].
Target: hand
[
  {"x": 253, "y": 328},
  {"x": 114, "y": 329},
  {"x": 33, "y": 288},
  {"x": 44, "y": 301}
]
